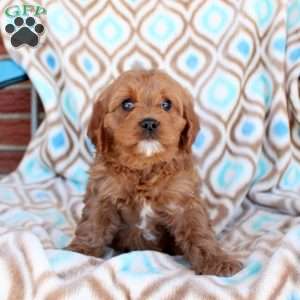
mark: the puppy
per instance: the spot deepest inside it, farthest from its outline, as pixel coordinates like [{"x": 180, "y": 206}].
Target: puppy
[{"x": 143, "y": 187}]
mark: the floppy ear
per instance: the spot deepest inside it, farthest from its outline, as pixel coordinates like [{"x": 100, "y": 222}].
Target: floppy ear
[
  {"x": 96, "y": 131},
  {"x": 192, "y": 126}
]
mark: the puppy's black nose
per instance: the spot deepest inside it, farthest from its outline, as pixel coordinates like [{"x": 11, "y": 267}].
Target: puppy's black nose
[{"x": 149, "y": 124}]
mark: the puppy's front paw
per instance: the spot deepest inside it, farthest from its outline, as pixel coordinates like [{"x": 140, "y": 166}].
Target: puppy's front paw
[
  {"x": 222, "y": 266},
  {"x": 84, "y": 249}
]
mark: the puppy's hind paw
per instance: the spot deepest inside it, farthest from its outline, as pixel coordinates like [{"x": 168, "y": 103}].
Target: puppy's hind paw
[
  {"x": 222, "y": 266},
  {"x": 229, "y": 268},
  {"x": 83, "y": 249}
]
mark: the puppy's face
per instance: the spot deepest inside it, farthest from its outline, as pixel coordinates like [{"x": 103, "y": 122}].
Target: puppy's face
[{"x": 145, "y": 116}]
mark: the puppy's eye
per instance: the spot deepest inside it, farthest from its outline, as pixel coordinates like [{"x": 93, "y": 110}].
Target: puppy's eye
[
  {"x": 166, "y": 105},
  {"x": 128, "y": 104}
]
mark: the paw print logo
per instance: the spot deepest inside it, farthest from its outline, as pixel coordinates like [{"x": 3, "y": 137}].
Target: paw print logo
[{"x": 24, "y": 32}]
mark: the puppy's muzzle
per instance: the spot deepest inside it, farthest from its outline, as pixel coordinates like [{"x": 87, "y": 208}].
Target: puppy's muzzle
[{"x": 149, "y": 125}]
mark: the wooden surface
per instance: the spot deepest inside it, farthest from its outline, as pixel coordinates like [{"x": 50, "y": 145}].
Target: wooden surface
[
  {"x": 15, "y": 132},
  {"x": 2, "y": 49},
  {"x": 15, "y": 100},
  {"x": 9, "y": 160},
  {"x": 14, "y": 122}
]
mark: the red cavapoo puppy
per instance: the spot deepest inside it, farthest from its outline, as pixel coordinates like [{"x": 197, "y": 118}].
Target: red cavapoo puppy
[{"x": 143, "y": 187}]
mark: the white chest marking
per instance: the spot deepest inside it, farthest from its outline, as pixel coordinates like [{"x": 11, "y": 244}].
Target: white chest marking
[
  {"x": 149, "y": 148},
  {"x": 146, "y": 213}
]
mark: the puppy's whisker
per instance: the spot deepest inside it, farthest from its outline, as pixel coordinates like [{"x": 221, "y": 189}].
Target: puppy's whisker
[{"x": 149, "y": 148}]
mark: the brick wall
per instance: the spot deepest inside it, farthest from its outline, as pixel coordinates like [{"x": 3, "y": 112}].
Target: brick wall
[{"x": 15, "y": 128}]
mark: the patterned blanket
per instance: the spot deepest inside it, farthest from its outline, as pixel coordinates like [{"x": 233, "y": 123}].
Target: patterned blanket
[{"x": 241, "y": 61}]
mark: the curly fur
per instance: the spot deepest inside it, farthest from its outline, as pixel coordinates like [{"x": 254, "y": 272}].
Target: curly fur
[{"x": 138, "y": 201}]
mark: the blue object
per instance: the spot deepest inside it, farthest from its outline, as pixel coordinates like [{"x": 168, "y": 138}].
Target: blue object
[{"x": 10, "y": 73}]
